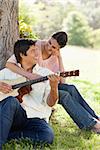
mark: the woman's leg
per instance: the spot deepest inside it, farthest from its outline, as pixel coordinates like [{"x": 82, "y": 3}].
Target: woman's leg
[
  {"x": 77, "y": 97},
  {"x": 76, "y": 111}
]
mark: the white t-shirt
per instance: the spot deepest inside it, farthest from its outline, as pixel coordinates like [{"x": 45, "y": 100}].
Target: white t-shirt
[{"x": 35, "y": 103}]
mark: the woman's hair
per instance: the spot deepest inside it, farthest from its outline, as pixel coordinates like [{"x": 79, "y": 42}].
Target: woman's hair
[{"x": 61, "y": 37}]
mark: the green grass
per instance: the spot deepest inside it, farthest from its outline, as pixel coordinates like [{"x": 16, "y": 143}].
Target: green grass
[{"x": 67, "y": 135}]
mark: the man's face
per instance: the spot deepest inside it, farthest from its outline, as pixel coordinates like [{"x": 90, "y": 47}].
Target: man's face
[
  {"x": 52, "y": 46},
  {"x": 31, "y": 56}
]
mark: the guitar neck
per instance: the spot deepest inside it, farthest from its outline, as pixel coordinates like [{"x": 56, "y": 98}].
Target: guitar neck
[{"x": 30, "y": 82}]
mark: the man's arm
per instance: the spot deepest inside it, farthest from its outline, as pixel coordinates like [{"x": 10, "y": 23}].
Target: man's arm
[{"x": 53, "y": 96}]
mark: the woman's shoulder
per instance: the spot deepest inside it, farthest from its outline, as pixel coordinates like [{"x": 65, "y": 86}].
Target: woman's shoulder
[{"x": 40, "y": 43}]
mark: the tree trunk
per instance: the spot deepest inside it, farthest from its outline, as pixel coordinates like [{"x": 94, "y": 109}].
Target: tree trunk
[{"x": 8, "y": 28}]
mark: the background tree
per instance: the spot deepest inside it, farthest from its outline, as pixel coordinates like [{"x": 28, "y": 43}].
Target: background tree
[
  {"x": 96, "y": 37},
  {"x": 8, "y": 28},
  {"x": 80, "y": 33},
  {"x": 91, "y": 8},
  {"x": 40, "y": 18}
]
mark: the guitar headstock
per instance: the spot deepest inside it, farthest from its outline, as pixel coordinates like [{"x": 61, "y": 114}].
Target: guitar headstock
[{"x": 70, "y": 73}]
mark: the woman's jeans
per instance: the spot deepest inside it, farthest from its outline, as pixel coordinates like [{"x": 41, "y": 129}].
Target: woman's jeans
[
  {"x": 76, "y": 106},
  {"x": 15, "y": 124}
]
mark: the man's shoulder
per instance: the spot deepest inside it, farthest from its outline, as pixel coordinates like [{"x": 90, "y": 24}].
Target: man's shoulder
[{"x": 7, "y": 74}]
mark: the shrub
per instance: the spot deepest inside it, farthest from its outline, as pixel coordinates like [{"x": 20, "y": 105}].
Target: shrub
[
  {"x": 26, "y": 31},
  {"x": 96, "y": 37}
]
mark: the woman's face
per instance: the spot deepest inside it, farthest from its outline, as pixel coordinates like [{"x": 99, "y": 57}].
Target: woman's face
[{"x": 52, "y": 46}]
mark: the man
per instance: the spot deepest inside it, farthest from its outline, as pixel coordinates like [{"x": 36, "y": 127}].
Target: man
[
  {"x": 48, "y": 53},
  {"x": 30, "y": 118}
]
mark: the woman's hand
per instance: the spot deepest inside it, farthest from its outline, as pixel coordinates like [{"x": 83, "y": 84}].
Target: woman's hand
[{"x": 56, "y": 53}]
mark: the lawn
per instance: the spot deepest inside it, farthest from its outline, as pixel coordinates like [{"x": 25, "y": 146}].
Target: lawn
[{"x": 67, "y": 135}]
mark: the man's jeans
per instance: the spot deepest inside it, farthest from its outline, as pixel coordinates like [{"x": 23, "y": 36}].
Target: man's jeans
[
  {"x": 76, "y": 106},
  {"x": 15, "y": 124}
]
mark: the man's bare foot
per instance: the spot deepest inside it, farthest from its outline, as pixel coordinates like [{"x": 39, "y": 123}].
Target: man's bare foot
[
  {"x": 99, "y": 118},
  {"x": 96, "y": 127}
]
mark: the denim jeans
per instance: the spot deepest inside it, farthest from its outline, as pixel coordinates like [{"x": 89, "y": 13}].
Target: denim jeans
[
  {"x": 15, "y": 124},
  {"x": 81, "y": 113}
]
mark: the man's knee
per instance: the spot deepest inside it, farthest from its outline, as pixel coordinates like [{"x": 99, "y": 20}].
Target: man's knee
[
  {"x": 50, "y": 137},
  {"x": 11, "y": 102}
]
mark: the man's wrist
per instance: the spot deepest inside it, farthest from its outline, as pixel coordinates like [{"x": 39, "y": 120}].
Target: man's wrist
[{"x": 54, "y": 88}]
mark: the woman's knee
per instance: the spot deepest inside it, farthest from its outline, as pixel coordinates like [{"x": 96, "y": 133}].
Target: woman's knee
[
  {"x": 68, "y": 88},
  {"x": 63, "y": 96},
  {"x": 73, "y": 89}
]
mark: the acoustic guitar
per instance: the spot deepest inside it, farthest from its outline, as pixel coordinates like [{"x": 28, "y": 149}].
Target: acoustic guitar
[{"x": 25, "y": 87}]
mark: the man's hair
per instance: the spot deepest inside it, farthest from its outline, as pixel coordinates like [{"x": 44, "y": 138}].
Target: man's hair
[
  {"x": 21, "y": 47},
  {"x": 61, "y": 38}
]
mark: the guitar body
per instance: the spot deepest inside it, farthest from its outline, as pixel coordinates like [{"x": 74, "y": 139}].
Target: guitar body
[
  {"x": 3, "y": 96},
  {"x": 11, "y": 82}
]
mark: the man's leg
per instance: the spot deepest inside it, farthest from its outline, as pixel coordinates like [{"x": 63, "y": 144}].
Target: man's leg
[
  {"x": 11, "y": 110},
  {"x": 38, "y": 130},
  {"x": 80, "y": 115},
  {"x": 77, "y": 97}
]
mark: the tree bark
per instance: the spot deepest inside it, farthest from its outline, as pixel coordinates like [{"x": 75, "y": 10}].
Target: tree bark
[{"x": 8, "y": 29}]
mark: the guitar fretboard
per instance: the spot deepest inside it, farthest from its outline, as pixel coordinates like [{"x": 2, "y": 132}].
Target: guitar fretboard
[{"x": 30, "y": 82}]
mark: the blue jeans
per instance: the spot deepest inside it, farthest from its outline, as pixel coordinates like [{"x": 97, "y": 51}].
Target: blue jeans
[
  {"x": 81, "y": 113},
  {"x": 15, "y": 124}
]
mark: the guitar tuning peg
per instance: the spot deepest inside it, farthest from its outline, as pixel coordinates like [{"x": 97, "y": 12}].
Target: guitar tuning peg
[
  {"x": 69, "y": 73},
  {"x": 57, "y": 73},
  {"x": 74, "y": 73}
]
